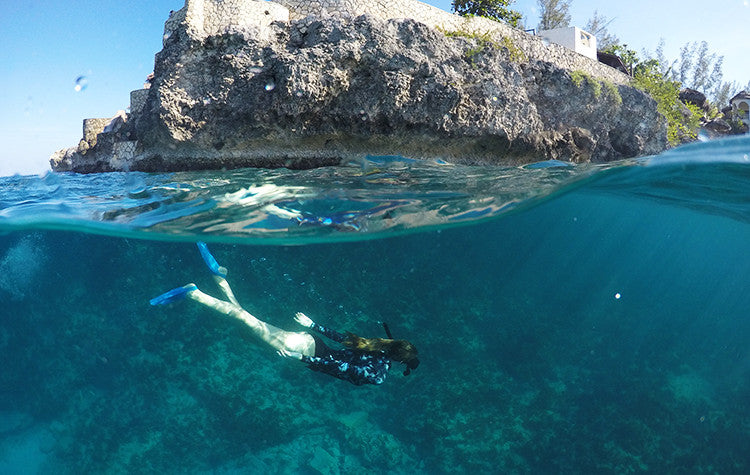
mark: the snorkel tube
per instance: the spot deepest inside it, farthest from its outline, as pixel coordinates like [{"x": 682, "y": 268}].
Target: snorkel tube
[{"x": 387, "y": 331}]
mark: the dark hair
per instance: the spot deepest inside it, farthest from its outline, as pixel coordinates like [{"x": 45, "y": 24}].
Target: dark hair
[{"x": 397, "y": 350}]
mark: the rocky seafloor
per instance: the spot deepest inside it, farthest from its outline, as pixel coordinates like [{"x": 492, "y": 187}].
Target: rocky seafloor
[{"x": 517, "y": 374}]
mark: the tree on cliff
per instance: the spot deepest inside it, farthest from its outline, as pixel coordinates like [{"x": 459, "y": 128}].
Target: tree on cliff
[
  {"x": 492, "y": 9},
  {"x": 553, "y": 14},
  {"x": 597, "y": 26},
  {"x": 683, "y": 120},
  {"x": 723, "y": 93},
  {"x": 697, "y": 68}
]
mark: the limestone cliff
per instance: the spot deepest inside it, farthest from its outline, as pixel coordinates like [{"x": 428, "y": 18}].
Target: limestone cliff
[{"x": 265, "y": 91}]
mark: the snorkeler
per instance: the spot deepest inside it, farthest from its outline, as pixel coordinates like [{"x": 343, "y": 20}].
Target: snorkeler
[{"x": 361, "y": 361}]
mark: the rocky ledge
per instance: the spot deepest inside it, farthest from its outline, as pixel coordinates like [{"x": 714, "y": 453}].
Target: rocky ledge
[{"x": 319, "y": 90}]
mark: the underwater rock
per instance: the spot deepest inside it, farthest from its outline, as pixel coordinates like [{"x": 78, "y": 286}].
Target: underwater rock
[
  {"x": 323, "y": 462},
  {"x": 317, "y": 91}
]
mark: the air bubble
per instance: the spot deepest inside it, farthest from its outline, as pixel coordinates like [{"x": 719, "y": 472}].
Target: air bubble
[
  {"x": 81, "y": 83},
  {"x": 270, "y": 86},
  {"x": 135, "y": 184},
  {"x": 617, "y": 296},
  {"x": 167, "y": 35}
]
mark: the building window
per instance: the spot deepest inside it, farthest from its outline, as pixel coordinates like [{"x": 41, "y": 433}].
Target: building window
[
  {"x": 585, "y": 39},
  {"x": 744, "y": 111}
]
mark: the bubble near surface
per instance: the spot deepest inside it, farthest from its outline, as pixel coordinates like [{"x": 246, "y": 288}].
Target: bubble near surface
[{"x": 80, "y": 84}]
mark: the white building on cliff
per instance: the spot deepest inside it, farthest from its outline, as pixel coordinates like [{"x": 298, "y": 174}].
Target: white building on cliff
[{"x": 573, "y": 38}]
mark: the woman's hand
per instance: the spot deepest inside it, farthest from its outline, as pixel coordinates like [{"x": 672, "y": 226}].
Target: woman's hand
[
  {"x": 303, "y": 320},
  {"x": 290, "y": 354}
]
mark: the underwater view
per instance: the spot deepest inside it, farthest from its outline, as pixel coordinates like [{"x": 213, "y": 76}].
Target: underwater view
[{"x": 568, "y": 318}]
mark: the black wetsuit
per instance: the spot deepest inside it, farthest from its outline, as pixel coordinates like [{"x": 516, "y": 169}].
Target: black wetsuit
[{"x": 357, "y": 367}]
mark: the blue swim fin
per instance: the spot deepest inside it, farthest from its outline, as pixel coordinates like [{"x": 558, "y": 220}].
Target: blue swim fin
[
  {"x": 210, "y": 261},
  {"x": 173, "y": 295}
]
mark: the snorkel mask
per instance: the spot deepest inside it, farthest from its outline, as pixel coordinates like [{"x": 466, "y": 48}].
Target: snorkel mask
[{"x": 410, "y": 365}]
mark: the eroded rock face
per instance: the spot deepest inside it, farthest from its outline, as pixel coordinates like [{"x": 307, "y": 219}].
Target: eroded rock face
[{"x": 321, "y": 90}]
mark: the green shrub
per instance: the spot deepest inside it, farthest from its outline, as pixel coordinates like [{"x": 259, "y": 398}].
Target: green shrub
[
  {"x": 493, "y": 9},
  {"x": 486, "y": 41},
  {"x": 683, "y": 121},
  {"x": 613, "y": 92},
  {"x": 516, "y": 54},
  {"x": 681, "y": 126},
  {"x": 596, "y": 87},
  {"x": 579, "y": 77},
  {"x": 735, "y": 122},
  {"x": 483, "y": 41}
]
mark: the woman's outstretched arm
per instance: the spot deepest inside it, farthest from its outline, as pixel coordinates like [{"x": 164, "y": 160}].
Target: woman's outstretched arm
[
  {"x": 359, "y": 370},
  {"x": 307, "y": 322}
]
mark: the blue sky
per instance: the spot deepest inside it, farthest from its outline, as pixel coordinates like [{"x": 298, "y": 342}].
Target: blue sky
[{"x": 46, "y": 45}]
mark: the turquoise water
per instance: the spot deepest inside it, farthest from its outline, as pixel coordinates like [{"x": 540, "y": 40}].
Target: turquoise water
[{"x": 569, "y": 319}]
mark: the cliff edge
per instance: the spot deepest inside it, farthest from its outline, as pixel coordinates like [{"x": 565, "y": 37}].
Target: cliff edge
[{"x": 238, "y": 83}]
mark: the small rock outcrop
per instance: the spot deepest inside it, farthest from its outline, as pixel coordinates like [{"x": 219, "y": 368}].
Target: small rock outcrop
[
  {"x": 718, "y": 127},
  {"x": 270, "y": 92},
  {"x": 697, "y": 98}
]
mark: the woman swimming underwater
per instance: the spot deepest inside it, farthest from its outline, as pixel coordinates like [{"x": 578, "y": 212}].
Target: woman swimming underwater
[{"x": 361, "y": 361}]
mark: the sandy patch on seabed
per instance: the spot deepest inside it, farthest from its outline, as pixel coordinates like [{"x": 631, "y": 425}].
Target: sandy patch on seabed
[{"x": 23, "y": 447}]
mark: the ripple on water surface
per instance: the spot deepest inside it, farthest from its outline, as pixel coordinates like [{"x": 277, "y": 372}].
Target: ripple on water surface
[{"x": 372, "y": 197}]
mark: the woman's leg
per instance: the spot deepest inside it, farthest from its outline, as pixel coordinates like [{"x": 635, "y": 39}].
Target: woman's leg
[
  {"x": 299, "y": 342},
  {"x": 226, "y": 289}
]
